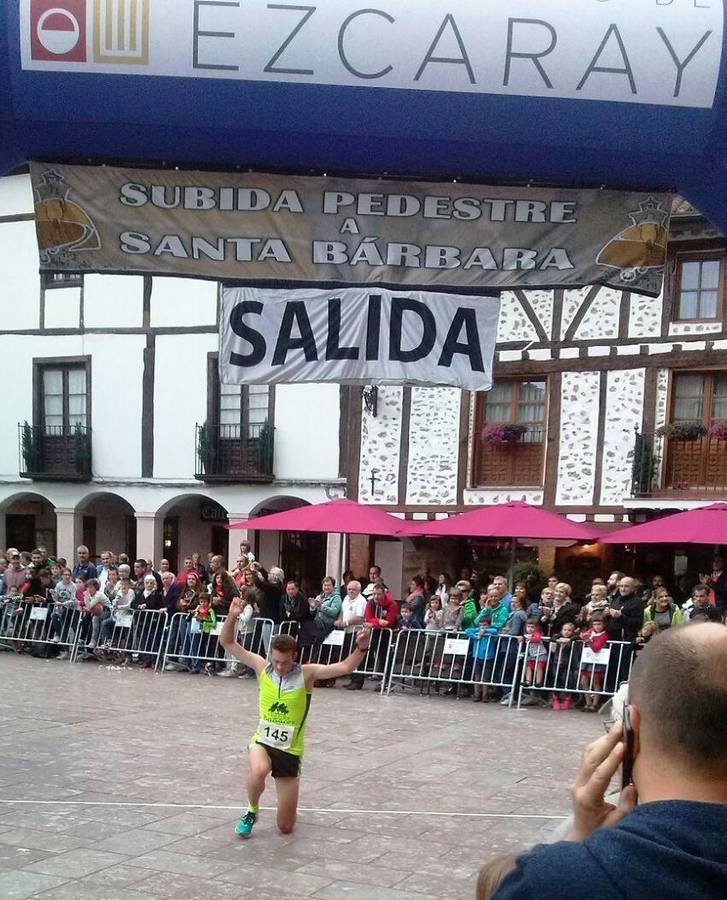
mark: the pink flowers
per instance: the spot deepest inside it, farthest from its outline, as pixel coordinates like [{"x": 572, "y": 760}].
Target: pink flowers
[
  {"x": 719, "y": 431},
  {"x": 503, "y": 433}
]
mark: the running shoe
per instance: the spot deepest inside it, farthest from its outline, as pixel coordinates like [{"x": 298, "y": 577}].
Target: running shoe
[{"x": 245, "y": 825}]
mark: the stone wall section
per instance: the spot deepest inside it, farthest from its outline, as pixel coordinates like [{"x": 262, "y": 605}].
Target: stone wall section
[
  {"x": 578, "y": 438},
  {"x": 624, "y": 415},
  {"x": 381, "y": 448},
  {"x": 601, "y": 320},
  {"x": 433, "y": 446}
]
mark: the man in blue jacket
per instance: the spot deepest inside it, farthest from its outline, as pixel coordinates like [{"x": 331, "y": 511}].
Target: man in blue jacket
[{"x": 670, "y": 845}]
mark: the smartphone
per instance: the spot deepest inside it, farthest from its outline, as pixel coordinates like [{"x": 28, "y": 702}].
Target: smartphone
[{"x": 628, "y": 761}]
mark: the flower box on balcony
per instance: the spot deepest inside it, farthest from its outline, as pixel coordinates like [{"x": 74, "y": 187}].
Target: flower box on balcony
[
  {"x": 503, "y": 434},
  {"x": 682, "y": 431}
]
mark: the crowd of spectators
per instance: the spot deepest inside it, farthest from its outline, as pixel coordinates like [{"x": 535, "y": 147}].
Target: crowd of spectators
[{"x": 535, "y": 625}]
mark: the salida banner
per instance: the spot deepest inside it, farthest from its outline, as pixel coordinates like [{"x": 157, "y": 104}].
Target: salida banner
[
  {"x": 263, "y": 227},
  {"x": 357, "y": 336}
]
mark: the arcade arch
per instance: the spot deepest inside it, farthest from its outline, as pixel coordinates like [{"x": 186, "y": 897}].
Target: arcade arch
[
  {"x": 107, "y": 522},
  {"x": 301, "y": 555},
  {"x": 27, "y": 520},
  {"x": 191, "y": 523}
]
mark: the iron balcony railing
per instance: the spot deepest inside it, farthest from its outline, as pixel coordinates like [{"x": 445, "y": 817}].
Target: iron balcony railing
[
  {"x": 671, "y": 466},
  {"x": 241, "y": 453},
  {"x": 54, "y": 452}
]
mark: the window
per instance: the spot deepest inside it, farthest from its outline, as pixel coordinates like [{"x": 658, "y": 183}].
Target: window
[
  {"x": 243, "y": 410},
  {"x": 517, "y": 462},
  {"x": 237, "y": 441},
  {"x": 699, "y": 289},
  {"x": 700, "y": 398},
  {"x": 695, "y": 457},
  {"x": 64, "y": 400}
]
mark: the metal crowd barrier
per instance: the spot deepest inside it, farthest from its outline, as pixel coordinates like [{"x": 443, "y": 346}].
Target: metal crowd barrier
[
  {"x": 338, "y": 644},
  {"x": 24, "y": 624},
  {"x": 188, "y": 645},
  {"x": 574, "y": 669},
  {"x": 431, "y": 659},
  {"x": 136, "y": 633}
]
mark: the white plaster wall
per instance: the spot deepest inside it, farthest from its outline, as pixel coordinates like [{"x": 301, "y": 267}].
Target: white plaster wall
[
  {"x": 433, "y": 446},
  {"x": 513, "y": 324},
  {"x": 578, "y": 438},
  {"x": 180, "y": 400},
  {"x": 624, "y": 414},
  {"x": 307, "y": 418},
  {"x": 63, "y": 308},
  {"x": 645, "y": 316},
  {"x": 601, "y": 320},
  {"x": 116, "y": 385},
  {"x": 16, "y": 195},
  {"x": 20, "y": 282},
  {"x": 16, "y": 376},
  {"x": 380, "y": 448},
  {"x": 113, "y": 301},
  {"x": 183, "y": 301}
]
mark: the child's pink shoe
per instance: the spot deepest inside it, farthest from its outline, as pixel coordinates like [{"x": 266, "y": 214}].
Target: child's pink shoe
[
  {"x": 567, "y": 703},
  {"x": 556, "y": 702}
]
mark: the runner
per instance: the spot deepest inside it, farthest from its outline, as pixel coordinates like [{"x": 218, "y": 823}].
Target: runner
[{"x": 285, "y": 694}]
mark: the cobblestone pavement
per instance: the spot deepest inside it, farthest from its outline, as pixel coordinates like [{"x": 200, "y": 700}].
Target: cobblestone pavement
[{"x": 131, "y": 782}]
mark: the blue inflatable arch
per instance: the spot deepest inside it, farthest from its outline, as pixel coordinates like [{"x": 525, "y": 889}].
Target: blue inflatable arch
[{"x": 618, "y": 92}]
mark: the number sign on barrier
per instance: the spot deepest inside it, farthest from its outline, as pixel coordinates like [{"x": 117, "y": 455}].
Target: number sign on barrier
[
  {"x": 39, "y": 614},
  {"x": 457, "y": 646},
  {"x": 336, "y": 638},
  {"x": 600, "y": 658}
]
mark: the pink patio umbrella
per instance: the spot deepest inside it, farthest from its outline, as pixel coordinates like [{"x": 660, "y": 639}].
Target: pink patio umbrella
[
  {"x": 333, "y": 517},
  {"x": 515, "y": 521},
  {"x": 704, "y": 525}
]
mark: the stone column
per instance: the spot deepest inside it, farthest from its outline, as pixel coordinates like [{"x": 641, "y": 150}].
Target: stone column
[
  {"x": 334, "y": 556},
  {"x": 234, "y": 538},
  {"x": 149, "y": 536},
  {"x": 69, "y": 534}
]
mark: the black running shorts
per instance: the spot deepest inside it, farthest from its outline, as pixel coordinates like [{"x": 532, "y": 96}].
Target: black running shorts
[{"x": 284, "y": 765}]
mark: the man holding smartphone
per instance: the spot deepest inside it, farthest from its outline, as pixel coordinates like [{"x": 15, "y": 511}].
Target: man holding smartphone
[{"x": 675, "y": 737}]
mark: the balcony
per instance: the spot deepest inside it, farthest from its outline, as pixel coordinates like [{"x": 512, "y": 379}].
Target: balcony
[
  {"x": 669, "y": 468},
  {"x": 234, "y": 453},
  {"x": 516, "y": 463},
  {"x": 54, "y": 453}
]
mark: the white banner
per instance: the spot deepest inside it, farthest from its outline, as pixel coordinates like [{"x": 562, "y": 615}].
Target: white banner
[
  {"x": 665, "y": 52},
  {"x": 357, "y": 336}
]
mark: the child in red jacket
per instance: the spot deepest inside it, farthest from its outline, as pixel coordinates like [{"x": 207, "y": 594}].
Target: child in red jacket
[{"x": 592, "y": 673}]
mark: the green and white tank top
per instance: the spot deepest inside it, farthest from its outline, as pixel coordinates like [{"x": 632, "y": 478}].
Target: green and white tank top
[{"x": 284, "y": 703}]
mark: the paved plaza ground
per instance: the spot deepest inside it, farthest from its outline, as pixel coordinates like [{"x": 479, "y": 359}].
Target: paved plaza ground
[{"x": 131, "y": 782}]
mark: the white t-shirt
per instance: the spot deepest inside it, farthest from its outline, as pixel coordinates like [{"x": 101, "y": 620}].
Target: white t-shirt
[{"x": 352, "y": 609}]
